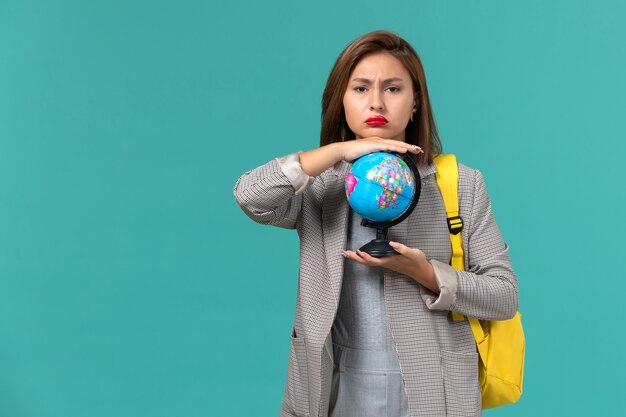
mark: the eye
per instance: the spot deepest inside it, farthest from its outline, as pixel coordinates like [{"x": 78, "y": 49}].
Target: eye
[
  {"x": 359, "y": 89},
  {"x": 394, "y": 89}
]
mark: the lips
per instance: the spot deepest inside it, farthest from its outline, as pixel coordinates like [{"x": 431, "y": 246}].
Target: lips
[{"x": 376, "y": 121}]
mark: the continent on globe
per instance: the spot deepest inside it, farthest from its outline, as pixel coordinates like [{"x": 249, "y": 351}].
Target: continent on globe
[
  {"x": 350, "y": 183},
  {"x": 392, "y": 176}
]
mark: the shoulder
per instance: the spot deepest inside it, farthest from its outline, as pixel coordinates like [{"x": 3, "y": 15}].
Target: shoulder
[
  {"x": 473, "y": 196},
  {"x": 469, "y": 177},
  {"x": 471, "y": 186},
  {"x": 467, "y": 171}
]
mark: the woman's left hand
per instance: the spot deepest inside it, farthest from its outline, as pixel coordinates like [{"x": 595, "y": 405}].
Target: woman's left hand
[{"x": 410, "y": 261}]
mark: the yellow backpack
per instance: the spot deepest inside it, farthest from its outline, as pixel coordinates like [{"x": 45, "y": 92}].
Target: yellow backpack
[{"x": 501, "y": 343}]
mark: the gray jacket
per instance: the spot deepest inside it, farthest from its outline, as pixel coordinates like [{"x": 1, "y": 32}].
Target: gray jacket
[{"x": 437, "y": 356}]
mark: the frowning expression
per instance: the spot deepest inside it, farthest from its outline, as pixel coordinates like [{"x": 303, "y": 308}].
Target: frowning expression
[{"x": 379, "y": 98}]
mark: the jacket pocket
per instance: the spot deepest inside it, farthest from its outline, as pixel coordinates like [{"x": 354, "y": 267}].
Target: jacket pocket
[
  {"x": 460, "y": 381},
  {"x": 296, "y": 399}
]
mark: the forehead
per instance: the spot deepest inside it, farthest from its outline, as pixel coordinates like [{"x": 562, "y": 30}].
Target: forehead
[{"x": 381, "y": 65}]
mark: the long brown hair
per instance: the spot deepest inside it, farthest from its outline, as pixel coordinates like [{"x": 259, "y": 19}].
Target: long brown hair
[{"x": 422, "y": 131}]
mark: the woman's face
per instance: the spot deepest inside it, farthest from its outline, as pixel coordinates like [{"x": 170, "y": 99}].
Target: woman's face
[{"x": 379, "y": 98}]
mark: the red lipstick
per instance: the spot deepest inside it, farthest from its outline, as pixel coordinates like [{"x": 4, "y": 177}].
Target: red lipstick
[{"x": 376, "y": 121}]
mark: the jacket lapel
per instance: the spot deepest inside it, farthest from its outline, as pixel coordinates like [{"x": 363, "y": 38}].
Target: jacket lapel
[{"x": 334, "y": 224}]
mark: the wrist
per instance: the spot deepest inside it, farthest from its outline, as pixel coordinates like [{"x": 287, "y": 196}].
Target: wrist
[
  {"x": 318, "y": 160},
  {"x": 337, "y": 150},
  {"x": 426, "y": 274}
]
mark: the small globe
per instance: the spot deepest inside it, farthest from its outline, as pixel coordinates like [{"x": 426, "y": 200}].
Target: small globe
[{"x": 380, "y": 186}]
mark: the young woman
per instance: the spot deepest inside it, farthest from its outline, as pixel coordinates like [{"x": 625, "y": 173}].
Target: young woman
[{"x": 374, "y": 337}]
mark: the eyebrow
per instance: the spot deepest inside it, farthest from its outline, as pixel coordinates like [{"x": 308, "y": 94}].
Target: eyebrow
[{"x": 367, "y": 80}]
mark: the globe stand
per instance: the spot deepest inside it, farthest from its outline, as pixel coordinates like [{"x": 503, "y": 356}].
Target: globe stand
[{"x": 379, "y": 247}]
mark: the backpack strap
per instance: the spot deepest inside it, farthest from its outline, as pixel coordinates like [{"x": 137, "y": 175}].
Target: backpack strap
[{"x": 448, "y": 182}]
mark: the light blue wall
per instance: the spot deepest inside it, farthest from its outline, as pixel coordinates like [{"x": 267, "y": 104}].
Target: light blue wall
[{"x": 132, "y": 285}]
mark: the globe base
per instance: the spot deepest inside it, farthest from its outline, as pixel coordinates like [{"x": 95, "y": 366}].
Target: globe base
[{"x": 378, "y": 248}]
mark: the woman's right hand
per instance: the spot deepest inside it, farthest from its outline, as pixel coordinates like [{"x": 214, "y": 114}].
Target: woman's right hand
[
  {"x": 353, "y": 149},
  {"x": 316, "y": 161}
]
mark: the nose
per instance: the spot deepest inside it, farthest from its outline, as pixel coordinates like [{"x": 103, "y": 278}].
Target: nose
[{"x": 376, "y": 102}]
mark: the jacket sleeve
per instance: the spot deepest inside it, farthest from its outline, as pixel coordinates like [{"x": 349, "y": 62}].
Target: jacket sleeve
[
  {"x": 272, "y": 193},
  {"x": 488, "y": 289}
]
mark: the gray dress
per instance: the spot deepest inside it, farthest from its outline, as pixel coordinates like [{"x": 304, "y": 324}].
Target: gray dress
[{"x": 366, "y": 376}]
